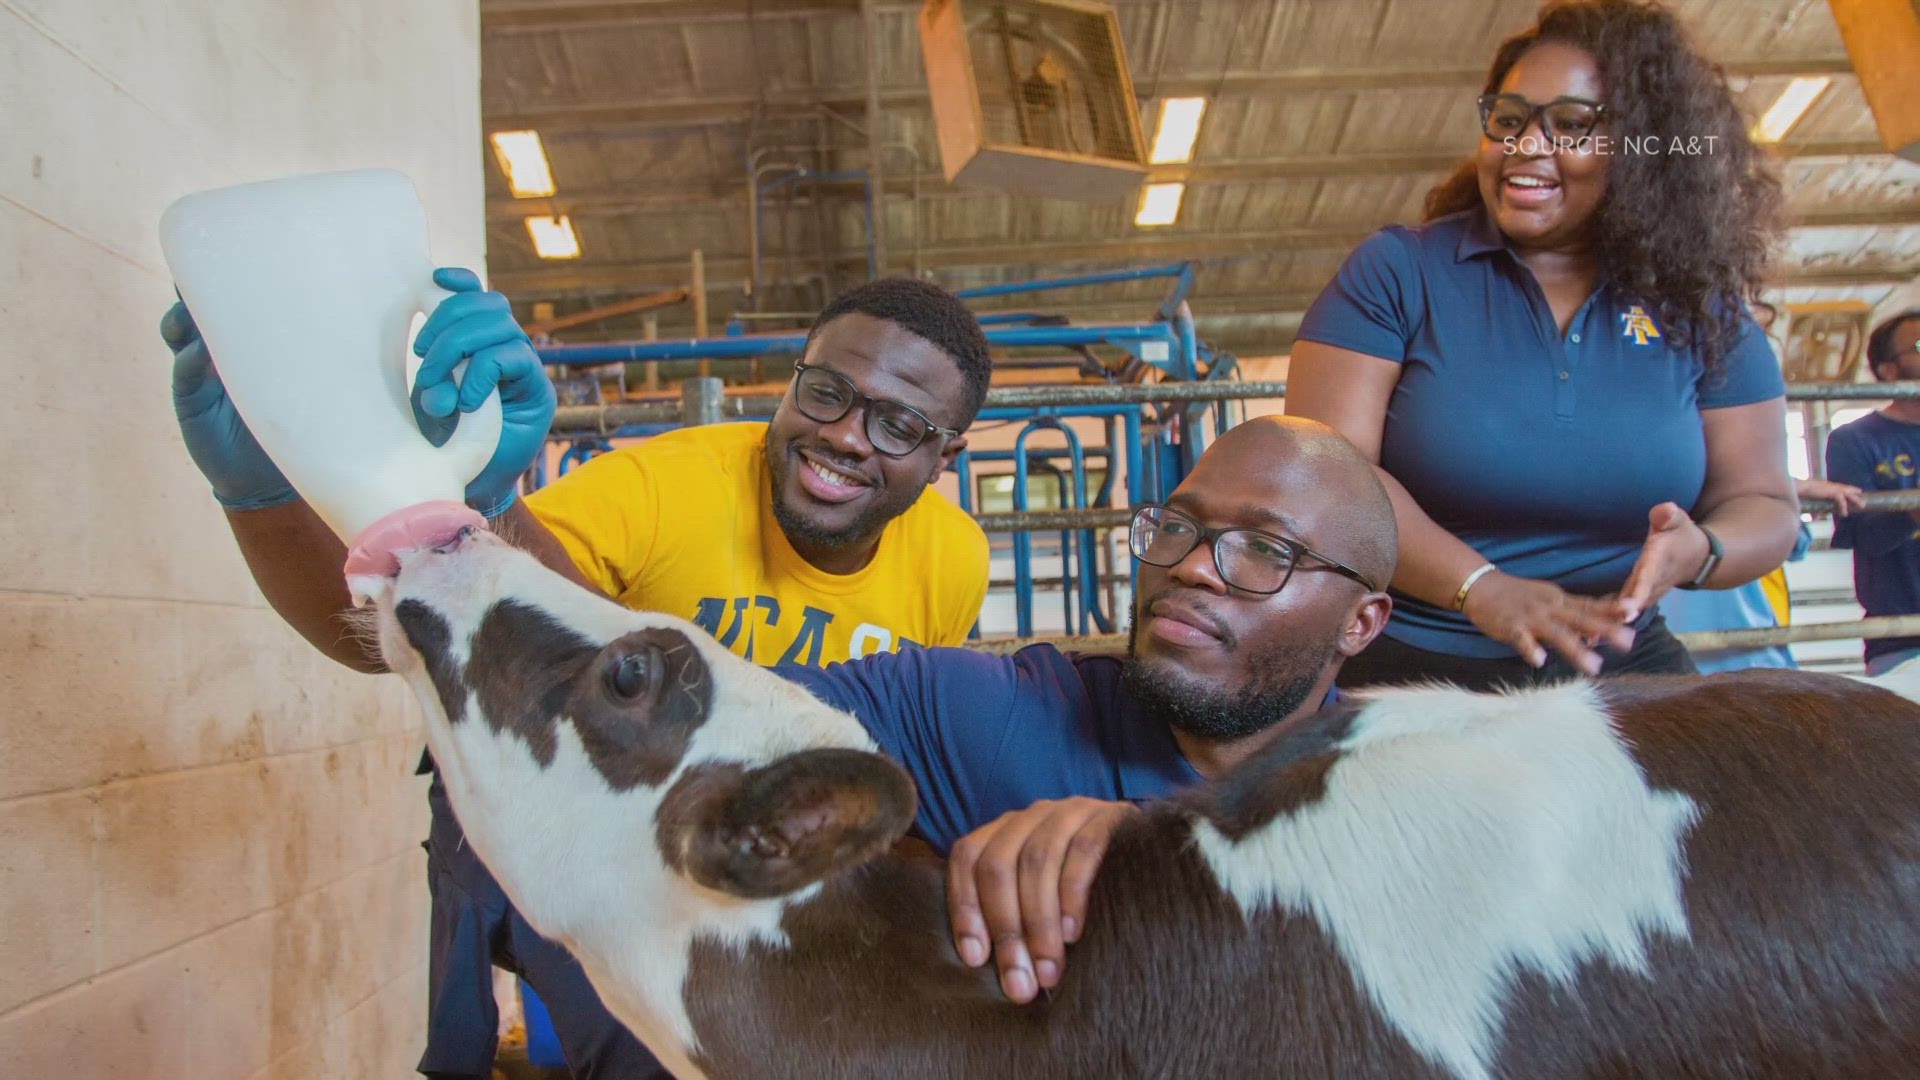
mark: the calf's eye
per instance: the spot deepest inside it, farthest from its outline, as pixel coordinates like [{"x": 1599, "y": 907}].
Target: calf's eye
[{"x": 635, "y": 674}]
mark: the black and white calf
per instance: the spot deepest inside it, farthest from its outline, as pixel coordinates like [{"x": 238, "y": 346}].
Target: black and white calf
[{"x": 1662, "y": 878}]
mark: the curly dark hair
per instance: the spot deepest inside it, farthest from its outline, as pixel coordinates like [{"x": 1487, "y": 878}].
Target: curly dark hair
[
  {"x": 1690, "y": 235},
  {"x": 928, "y": 311}
]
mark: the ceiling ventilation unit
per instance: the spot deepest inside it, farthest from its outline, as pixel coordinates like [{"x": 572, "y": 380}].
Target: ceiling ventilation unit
[{"x": 1032, "y": 97}]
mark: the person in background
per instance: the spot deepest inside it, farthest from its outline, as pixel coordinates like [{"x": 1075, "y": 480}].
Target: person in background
[
  {"x": 1755, "y": 605},
  {"x": 1881, "y": 452},
  {"x": 805, "y": 541},
  {"x": 1557, "y": 372}
]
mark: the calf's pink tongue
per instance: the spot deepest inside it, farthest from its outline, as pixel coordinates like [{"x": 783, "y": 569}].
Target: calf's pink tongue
[{"x": 377, "y": 551}]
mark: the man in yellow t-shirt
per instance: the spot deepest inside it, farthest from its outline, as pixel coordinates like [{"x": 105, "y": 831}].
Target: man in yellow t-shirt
[
  {"x": 811, "y": 539},
  {"x": 685, "y": 523}
]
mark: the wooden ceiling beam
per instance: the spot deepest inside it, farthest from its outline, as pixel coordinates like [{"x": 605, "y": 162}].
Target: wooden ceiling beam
[
  {"x": 610, "y": 118},
  {"x": 546, "y": 282},
  {"x": 710, "y": 110},
  {"x": 520, "y": 16},
  {"x": 730, "y": 194},
  {"x": 531, "y": 283}
]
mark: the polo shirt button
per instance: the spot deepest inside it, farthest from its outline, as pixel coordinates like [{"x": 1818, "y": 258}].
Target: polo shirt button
[
  {"x": 1576, "y": 339},
  {"x": 1564, "y": 376}
]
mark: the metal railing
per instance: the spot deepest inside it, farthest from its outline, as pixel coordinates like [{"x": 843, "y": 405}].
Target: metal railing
[
  {"x": 600, "y": 419},
  {"x": 584, "y": 421},
  {"x": 1884, "y": 626}
]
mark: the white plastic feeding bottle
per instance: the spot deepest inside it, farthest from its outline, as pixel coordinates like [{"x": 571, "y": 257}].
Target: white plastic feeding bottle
[{"x": 306, "y": 290}]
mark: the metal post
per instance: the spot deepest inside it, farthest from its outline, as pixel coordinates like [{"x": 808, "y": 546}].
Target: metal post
[
  {"x": 701, "y": 400},
  {"x": 700, "y": 305},
  {"x": 876, "y": 191},
  {"x": 651, "y": 330}
]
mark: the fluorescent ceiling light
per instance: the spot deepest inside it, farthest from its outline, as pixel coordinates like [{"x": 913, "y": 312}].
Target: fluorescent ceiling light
[
  {"x": 524, "y": 162},
  {"x": 1179, "y": 127},
  {"x": 1159, "y": 204},
  {"x": 553, "y": 237},
  {"x": 1793, "y": 103}
]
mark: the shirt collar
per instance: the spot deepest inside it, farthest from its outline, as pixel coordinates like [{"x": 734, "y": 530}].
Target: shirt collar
[{"x": 1479, "y": 237}]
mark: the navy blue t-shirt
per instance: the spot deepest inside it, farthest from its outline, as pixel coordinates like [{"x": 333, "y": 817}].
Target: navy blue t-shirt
[
  {"x": 1543, "y": 453},
  {"x": 984, "y": 735},
  {"x": 1879, "y": 453}
]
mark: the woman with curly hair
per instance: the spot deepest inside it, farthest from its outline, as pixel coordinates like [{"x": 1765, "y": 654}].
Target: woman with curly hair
[{"x": 1557, "y": 373}]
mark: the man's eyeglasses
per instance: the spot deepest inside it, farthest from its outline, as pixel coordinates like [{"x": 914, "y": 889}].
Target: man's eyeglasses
[
  {"x": 824, "y": 396},
  {"x": 1562, "y": 120},
  {"x": 1248, "y": 559}
]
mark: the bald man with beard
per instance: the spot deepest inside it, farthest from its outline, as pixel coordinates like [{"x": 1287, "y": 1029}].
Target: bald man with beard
[{"x": 1260, "y": 575}]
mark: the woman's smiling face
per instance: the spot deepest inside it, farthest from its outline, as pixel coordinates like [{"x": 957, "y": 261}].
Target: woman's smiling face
[{"x": 1542, "y": 195}]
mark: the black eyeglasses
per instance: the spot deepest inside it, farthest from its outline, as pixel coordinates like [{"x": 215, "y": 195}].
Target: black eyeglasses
[
  {"x": 1248, "y": 559},
  {"x": 1564, "y": 119},
  {"x": 824, "y": 396}
]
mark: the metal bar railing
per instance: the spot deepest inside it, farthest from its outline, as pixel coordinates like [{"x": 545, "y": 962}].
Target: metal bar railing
[
  {"x": 571, "y": 420},
  {"x": 1050, "y": 520},
  {"x": 1119, "y": 517},
  {"x": 1877, "y": 501},
  {"x": 1884, "y": 626},
  {"x": 1886, "y": 391},
  {"x": 1015, "y": 288},
  {"x": 601, "y": 418}
]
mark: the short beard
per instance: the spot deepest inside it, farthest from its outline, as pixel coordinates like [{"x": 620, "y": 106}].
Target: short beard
[
  {"x": 1284, "y": 674},
  {"x": 804, "y": 532}
]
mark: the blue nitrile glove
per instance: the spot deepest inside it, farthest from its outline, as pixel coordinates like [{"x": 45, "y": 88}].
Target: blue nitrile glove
[
  {"x": 478, "y": 326},
  {"x": 242, "y": 475}
]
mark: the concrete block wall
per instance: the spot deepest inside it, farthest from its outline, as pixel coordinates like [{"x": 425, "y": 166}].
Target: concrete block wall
[{"x": 209, "y": 836}]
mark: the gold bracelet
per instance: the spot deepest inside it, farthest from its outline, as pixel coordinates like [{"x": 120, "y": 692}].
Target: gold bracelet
[{"x": 1460, "y": 598}]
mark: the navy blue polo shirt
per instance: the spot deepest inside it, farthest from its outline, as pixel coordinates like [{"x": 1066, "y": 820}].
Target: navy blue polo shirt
[
  {"x": 1542, "y": 452},
  {"x": 984, "y": 735},
  {"x": 1879, "y": 453}
]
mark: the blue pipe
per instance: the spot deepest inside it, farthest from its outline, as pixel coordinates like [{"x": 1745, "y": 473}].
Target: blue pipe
[
  {"x": 1135, "y": 460},
  {"x": 1015, "y": 336},
  {"x": 1100, "y": 452},
  {"x": 1178, "y": 296},
  {"x": 725, "y": 348},
  {"x": 1064, "y": 495},
  {"x": 1072, "y": 542},
  {"x": 1028, "y": 412},
  {"x": 678, "y": 349},
  {"x": 1049, "y": 284}
]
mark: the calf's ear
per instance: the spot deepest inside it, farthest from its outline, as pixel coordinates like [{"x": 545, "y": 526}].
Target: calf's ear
[{"x": 774, "y": 830}]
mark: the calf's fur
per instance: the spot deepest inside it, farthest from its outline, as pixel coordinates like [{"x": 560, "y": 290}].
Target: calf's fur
[{"x": 1660, "y": 877}]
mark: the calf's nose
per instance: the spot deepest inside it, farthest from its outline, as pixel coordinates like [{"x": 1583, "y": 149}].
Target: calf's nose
[{"x": 441, "y": 526}]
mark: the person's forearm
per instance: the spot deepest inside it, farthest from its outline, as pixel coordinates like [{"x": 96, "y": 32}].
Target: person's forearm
[
  {"x": 520, "y": 528},
  {"x": 1433, "y": 562},
  {"x": 297, "y": 561},
  {"x": 1756, "y": 532}
]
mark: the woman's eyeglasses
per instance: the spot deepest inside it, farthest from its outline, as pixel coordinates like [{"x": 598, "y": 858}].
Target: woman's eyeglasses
[{"x": 1562, "y": 120}]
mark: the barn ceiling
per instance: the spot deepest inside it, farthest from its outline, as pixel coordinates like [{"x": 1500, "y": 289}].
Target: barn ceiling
[{"x": 1327, "y": 119}]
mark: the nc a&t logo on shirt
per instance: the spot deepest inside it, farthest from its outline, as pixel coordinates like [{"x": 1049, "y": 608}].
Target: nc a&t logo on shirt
[{"x": 1639, "y": 325}]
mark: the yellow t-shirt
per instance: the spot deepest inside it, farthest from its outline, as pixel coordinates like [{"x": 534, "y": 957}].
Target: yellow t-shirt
[{"x": 683, "y": 523}]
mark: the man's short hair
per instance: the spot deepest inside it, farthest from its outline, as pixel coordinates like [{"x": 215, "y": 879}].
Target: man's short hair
[
  {"x": 1880, "y": 342},
  {"x": 926, "y": 311}
]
